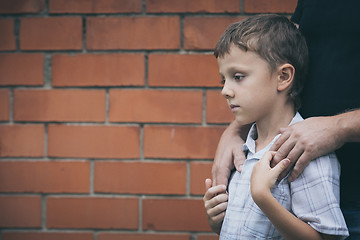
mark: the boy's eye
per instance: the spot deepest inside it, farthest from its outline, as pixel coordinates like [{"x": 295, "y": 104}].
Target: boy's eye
[{"x": 238, "y": 76}]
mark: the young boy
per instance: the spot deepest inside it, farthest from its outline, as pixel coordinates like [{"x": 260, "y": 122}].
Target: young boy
[{"x": 262, "y": 63}]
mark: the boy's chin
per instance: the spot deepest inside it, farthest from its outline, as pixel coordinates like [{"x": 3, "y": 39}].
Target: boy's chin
[{"x": 242, "y": 120}]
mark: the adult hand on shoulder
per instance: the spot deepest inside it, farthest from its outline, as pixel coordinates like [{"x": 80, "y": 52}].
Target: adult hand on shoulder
[
  {"x": 305, "y": 141},
  {"x": 229, "y": 153},
  {"x": 215, "y": 203}
]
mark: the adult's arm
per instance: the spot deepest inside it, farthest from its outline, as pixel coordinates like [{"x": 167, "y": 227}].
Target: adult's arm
[
  {"x": 229, "y": 153},
  {"x": 314, "y": 137}
]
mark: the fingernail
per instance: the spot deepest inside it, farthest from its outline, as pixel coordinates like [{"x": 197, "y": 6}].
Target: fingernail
[{"x": 286, "y": 162}]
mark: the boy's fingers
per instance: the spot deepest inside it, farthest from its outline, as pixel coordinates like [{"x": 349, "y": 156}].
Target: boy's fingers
[
  {"x": 218, "y": 209},
  {"x": 280, "y": 167},
  {"x": 213, "y": 204},
  {"x": 208, "y": 183},
  {"x": 213, "y": 191},
  {"x": 219, "y": 217},
  {"x": 268, "y": 156}
]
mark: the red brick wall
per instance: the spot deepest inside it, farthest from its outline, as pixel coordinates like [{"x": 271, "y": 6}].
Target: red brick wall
[{"x": 110, "y": 113}]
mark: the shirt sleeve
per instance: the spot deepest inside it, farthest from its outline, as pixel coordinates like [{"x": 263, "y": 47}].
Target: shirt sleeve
[
  {"x": 315, "y": 196},
  {"x": 298, "y": 12}
]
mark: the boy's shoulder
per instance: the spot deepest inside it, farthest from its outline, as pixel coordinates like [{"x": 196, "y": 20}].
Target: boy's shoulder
[{"x": 324, "y": 168}]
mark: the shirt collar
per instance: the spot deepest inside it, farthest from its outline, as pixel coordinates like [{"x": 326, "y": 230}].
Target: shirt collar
[{"x": 249, "y": 145}]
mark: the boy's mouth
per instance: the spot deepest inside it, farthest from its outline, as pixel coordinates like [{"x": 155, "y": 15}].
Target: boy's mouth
[{"x": 234, "y": 107}]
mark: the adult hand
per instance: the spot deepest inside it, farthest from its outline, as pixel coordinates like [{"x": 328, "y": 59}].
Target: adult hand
[
  {"x": 215, "y": 203},
  {"x": 229, "y": 153},
  {"x": 305, "y": 141}
]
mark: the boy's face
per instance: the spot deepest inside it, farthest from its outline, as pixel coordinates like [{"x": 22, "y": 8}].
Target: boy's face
[{"x": 249, "y": 86}]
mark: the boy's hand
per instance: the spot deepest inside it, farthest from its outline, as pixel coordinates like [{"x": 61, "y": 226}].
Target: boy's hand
[
  {"x": 263, "y": 177},
  {"x": 215, "y": 202}
]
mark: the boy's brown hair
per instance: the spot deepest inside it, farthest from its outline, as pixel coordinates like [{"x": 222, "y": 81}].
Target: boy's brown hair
[{"x": 275, "y": 39}]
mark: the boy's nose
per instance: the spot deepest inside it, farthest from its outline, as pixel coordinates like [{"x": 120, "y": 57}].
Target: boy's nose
[{"x": 227, "y": 92}]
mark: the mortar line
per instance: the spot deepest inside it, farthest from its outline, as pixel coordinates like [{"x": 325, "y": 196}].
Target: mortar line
[
  {"x": 16, "y": 33},
  {"x": 46, "y": 128},
  {"x": 141, "y": 141},
  {"x": 84, "y": 50},
  {"x": 143, "y": 7},
  {"x": 43, "y": 209},
  {"x": 146, "y": 70},
  {"x": 107, "y": 106},
  {"x": 47, "y": 72},
  {"x": 181, "y": 29},
  {"x": 140, "y": 214},
  {"x": 91, "y": 190},
  {"x": 188, "y": 178},
  {"x": 204, "y": 110},
  {"x": 11, "y": 105},
  {"x": 242, "y": 10}
]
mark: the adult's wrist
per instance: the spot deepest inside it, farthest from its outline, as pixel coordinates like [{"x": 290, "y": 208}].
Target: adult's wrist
[
  {"x": 347, "y": 125},
  {"x": 341, "y": 129}
]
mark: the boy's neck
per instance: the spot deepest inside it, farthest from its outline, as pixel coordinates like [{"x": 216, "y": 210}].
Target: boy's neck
[{"x": 270, "y": 126}]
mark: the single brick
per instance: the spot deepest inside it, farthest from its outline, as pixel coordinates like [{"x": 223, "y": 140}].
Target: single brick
[
  {"x": 217, "y": 110},
  {"x": 98, "y": 70},
  {"x": 139, "y": 236},
  {"x": 21, "y": 69},
  {"x": 92, "y": 212},
  {"x": 209, "y": 6},
  {"x": 47, "y": 235},
  {"x": 199, "y": 171},
  {"x": 146, "y": 33},
  {"x": 53, "y": 33},
  {"x": 269, "y": 6},
  {"x": 204, "y": 32},
  {"x": 151, "y": 177},
  {"x": 194, "y": 70},
  {"x": 181, "y": 142},
  {"x": 95, "y": 6},
  {"x": 93, "y": 141},
  {"x": 20, "y": 211},
  {"x": 212, "y": 236},
  {"x": 45, "y": 177},
  {"x": 4, "y": 105},
  {"x": 59, "y": 105},
  {"x": 7, "y": 40},
  {"x": 22, "y": 140},
  {"x": 22, "y": 6},
  {"x": 174, "y": 215},
  {"x": 155, "y": 106}
]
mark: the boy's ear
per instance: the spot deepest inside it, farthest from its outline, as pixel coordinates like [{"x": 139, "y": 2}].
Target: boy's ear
[{"x": 286, "y": 74}]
